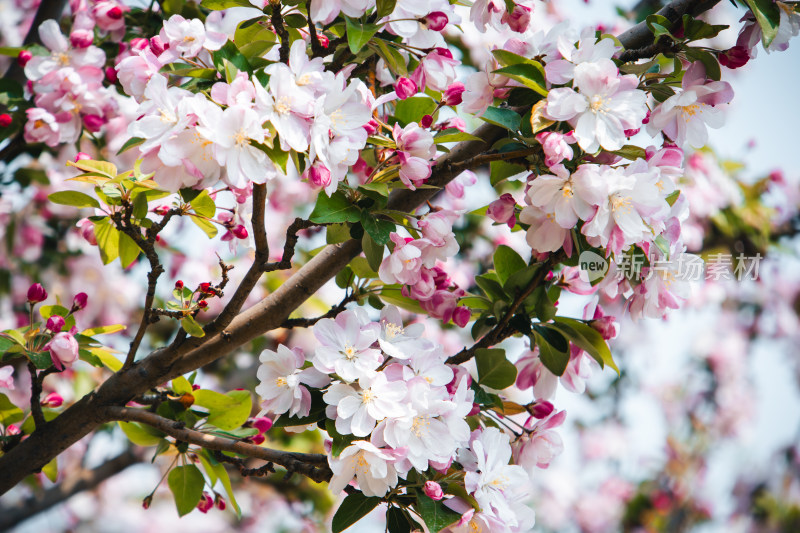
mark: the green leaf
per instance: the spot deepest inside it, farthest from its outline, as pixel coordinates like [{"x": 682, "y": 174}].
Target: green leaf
[
  {"x": 128, "y": 250},
  {"x": 520, "y": 279},
  {"x": 41, "y": 360},
  {"x": 51, "y": 470},
  {"x": 554, "y": 360},
  {"x": 507, "y": 262},
  {"x": 225, "y": 411},
  {"x": 358, "y": 34},
  {"x": 231, "y": 53},
  {"x": 208, "y": 227},
  {"x": 16, "y": 336},
  {"x": 413, "y": 109},
  {"x": 394, "y": 60},
  {"x": 494, "y": 370},
  {"x": 275, "y": 154},
  {"x": 217, "y": 5},
  {"x": 435, "y": 514},
  {"x": 361, "y": 268},
  {"x": 225, "y": 479},
  {"x": 505, "y": 118},
  {"x": 452, "y": 135},
  {"x": 107, "y": 240},
  {"x": 203, "y": 204},
  {"x": 103, "y": 330},
  {"x": 384, "y": 7},
  {"x": 336, "y": 208},
  {"x": 186, "y": 484},
  {"x": 130, "y": 143},
  {"x": 631, "y": 152},
  {"x": 372, "y": 251},
  {"x": 103, "y": 168},
  {"x": 74, "y": 199},
  {"x": 353, "y": 508},
  {"x": 500, "y": 170},
  {"x": 673, "y": 197},
  {"x": 340, "y": 442},
  {"x": 392, "y": 294},
  {"x": 586, "y": 338},
  {"x": 181, "y": 385},
  {"x": 768, "y": 17},
  {"x": 140, "y": 434},
  {"x": 398, "y": 520},
  {"x": 49, "y": 310},
  {"x": 659, "y": 24},
  {"x": 529, "y": 75},
  {"x": 491, "y": 287},
  {"x": 694, "y": 29},
  {"x": 708, "y": 60},
  {"x": 190, "y": 326},
  {"x": 9, "y": 413},
  {"x": 377, "y": 228}
]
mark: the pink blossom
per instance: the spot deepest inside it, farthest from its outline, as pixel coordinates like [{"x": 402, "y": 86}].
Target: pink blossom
[
  {"x": 502, "y": 210},
  {"x": 403, "y": 264},
  {"x": 556, "y": 146},
  {"x": 55, "y": 323},
  {"x": 518, "y": 19},
  {"x": 442, "y": 304},
  {"x": 415, "y": 149},
  {"x": 436, "y": 21},
  {"x": 52, "y": 400},
  {"x": 41, "y": 127},
  {"x": 109, "y": 15},
  {"x": 7, "y": 377},
  {"x": 63, "y": 350},
  {"x": 453, "y": 94},
  {"x": 36, "y": 293},
  {"x": 405, "y": 88},
  {"x": 186, "y": 38},
  {"x": 436, "y": 70},
  {"x": 433, "y": 490}
]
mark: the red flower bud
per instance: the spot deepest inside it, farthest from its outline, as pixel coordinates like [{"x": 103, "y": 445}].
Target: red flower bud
[
  {"x": 36, "y": 294},
  {"x": 205, "y": 288},
  {"x": 80, "y": 301},
  {"x": 426, "y": 121},
  {"x": 23, "y": 57},
  {"x": 436, "y": 21},
  {"x": 179, "y": 284},
  {"x": 80, "y": 156},
  {"x": 262, "y": 424},
  {"x": 219, "y": 501},
  {"x": 52, "y": 400},
  {"x": 453, "y": 94},
  {"x": 55, "y": 323},
  {"x": 202, "y": 304},
  {"x": 541, "y": 409},
  {"x": 147, "y": 501},
  {"x": 93, "y": 123},
  {"x": 240, "y": 232},
  {"x": 114, "y": 13},
  {"x": 5, "y": 120},
  {"x": 258, "y": 439},
  {"x": 205, "y": 503},
  {"x": 736, "y": 57},
  {"x": 111, "y": 74}
]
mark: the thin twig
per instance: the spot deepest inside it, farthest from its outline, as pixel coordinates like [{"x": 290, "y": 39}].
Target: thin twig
[
  {"x": 280, "y": 30},
  {"x": 332, "y": 312},
  {"x": 314, "y": 466}
]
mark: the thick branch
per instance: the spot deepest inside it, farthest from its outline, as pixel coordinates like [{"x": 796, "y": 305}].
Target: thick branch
[
  {"x": 312, "y": 465},
  {"x": 280, "y": 30},
  {"x": 78, "y": 482}
]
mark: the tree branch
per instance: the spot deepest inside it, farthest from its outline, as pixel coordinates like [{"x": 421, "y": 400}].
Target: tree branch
[
  {"x": 311, "y": 465},
  {"x": 280, "y": 30}
]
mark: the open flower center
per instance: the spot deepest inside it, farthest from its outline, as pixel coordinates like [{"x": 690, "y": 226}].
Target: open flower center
[
  {"x": 349, "y": 351},
  {"x": 393, "y": 330},
  {"x": 283, "y": 105},
  {"x": 240, "y": 138},
  {"x": 621, "y": 203},
  {"x": 596, "y": 103}
]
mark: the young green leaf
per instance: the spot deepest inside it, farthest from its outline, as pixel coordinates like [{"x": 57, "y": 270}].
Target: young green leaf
[
  {"x": 494, "y": 370},
  {"x": 336, "y": 208},
  {"x": 507, "y": 262},
  {"x": 190, "y": 326},
  {"x": 505, "y": 118},
  {"x": 74, "y": 199},
  {"x": 358, "y": 34},
  {"x": 186, "y": 484}
]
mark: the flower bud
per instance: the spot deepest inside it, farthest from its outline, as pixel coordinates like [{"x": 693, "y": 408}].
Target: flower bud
[
  {"x": 433, "y": 490},
  {"x": 179, "y": 284},
  {"x": 52, "y": 400},
  {"x": 426, "y": 121},
  {"x": 79, "y": 301},
  {"x": 240, "y": 232},
  {"x": 372, "y": 127},
  {"x": 93, "y": 123},
  {"x": 81, "y": 38},
  {"x": 13, "y": 430},
  {"x": 63, "y": 350},
  {"x": 502, "y": 210},
  {"x": 262, "y": 424},
  {"x": 139, "y": 43},
  {"x": 157, "y": 46},
  {"x": 114, "y": 13},
  {"x": 5, "y": 120},
  {"x": 541, "y": 409},
  {"x": 461, "y": 316},
  {"x": 436, "y": 21},
  {"x": 55, "y": 323},
  {"x": 23, "y": 57},
  {"x": 111, "y": 74},
  {"x": 736, "y": 57},
  {"x": 318, "y": 175},
  {"x": 405, "y": 88},
  {"x": 36, "y": 294},
  {"x": 205, "y": 288},
  {"x": 323, "y": 40},
  {"x": 205, "y": 503},
  {"x": 518, "y": 20},
  {"x": 258, "y": 439},
  {"x": 81, "y": 156},
  {"x": 219, "y": 501},
  {"x": 86, "y": 228},
  {"x": 453, "y": 95},
  {"x": 147, "y": 501}
]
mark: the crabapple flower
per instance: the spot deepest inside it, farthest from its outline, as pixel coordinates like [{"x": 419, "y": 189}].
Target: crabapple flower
[
  {"x": 372, "y": 467},
  {"x": 588, "y": 50},
  {"x": 281, "y": 378},
  {"x": 415, "y": 148},
  {"x": 436, "y": 70},
  {"x": 403, "y": 264},
  {"x": 544, "y": 233},
  {"x": 561, "y": 196},
  {"x": 287, "y": 106},
  {"x": 41, "y": 127},
  {"x": 398, "y": 341},
  {"x": 187, "y": 38},
  {"x": 539, "y": 447},
  {"x": 605, "y": 105},
  {"x": 88, "y": 60},
  {"x": 63, "y": 350},
  {"x": 7, "y": 377},
  {"x": 357, "y": 411},
  {"x": 556, "y": 146},
  {"x": 502, "y": 210},
  {"x": 325, "y": 12},
  {"x": 664, "y": 286},
  {"x": 433, "y": 490},
  {"x": 165, "y": 112},
  {"x": 684, "y": 117},
  {"x": 347, "y": 345}
]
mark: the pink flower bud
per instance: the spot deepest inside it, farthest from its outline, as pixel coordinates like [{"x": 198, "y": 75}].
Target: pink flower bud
[
  {"x": 444, "y": 52},
  {"x": 453, "y": 94},
  {"x": 5, "y": 120},
  {"x": 146, "y": 502},
  {"x": 80, "y": 301},
  {"x": 461, "y": 316},
  {"x": 372, "y": 127},
  {"x": 80, "y": 156},
  {"x": 86, "y": 228},
  {"x": 63, "y": 350},
  {"x": 240, "y": 232},
  {"x": 318, "y": 175},
  {"x": 23, "y": 57},
  {"x": 36, "y": 294},
  {"x": 426, "y": 121},
  {"x": 13, "y": 430},
  {"x": 93, "y": 123},
  {"x": 55, "y": 323},
  {"x": 52, "y": 400},
  {"x": 518, "y": 20},
  {"x": 219, "y": 501},
  {"x": 81, "y": 38},
  {"x": 111, "y": 74},
  {"x": 323, "y": 40},
  {"x": 502, "y": 210},
  {"x": 139, "y": 43},
  {"x": 433, "y": 490},
  {"x": 258, "y": 439},
  {"x": 205, "y": 503},
  {"x": 631, "y": 133},
  {"x": 114, "y": 13},
  {"x": 157, "y": 46},
  {"x": 736, "y": 57},
  {"x": 405, "y": 88},
  {"x": 262, "y": 424},
  {"x": 436, "y": 21},
  {"x": 542, "y": 409}
]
